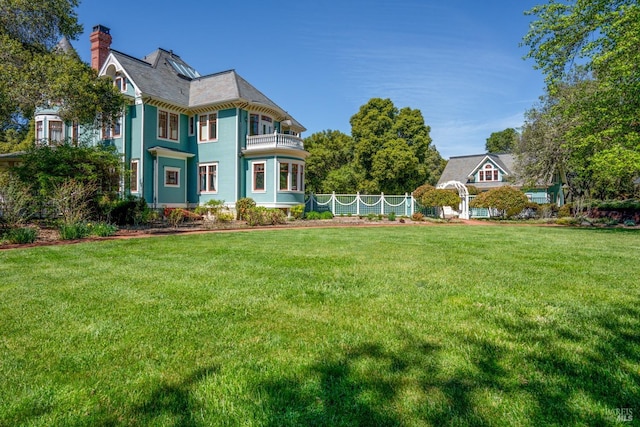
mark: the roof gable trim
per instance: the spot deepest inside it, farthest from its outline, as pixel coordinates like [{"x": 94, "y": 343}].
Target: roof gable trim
[{"x": 484, "y": 161}]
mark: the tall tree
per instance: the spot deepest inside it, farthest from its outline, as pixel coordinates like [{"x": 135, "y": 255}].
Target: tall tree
[
  {"x": 589, "y": 52},
  {"x": 502, "y": 142},
  {"x": 393, "y": 150},
  {"x": 33, "y": 73},
  {"x": 330, "y": 151}
]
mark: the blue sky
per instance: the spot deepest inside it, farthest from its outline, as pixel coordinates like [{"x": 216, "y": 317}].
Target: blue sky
[{"x": 458, "y": 61}]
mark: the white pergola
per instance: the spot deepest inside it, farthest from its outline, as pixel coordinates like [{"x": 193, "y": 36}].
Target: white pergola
[{"x": 464, "y": 196}]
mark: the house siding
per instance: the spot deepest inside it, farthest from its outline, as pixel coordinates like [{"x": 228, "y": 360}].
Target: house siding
[
  {"x": 156, "y": 84},
  {"x": 223, "y": 152},
  {"x": 168, "y": 196}
]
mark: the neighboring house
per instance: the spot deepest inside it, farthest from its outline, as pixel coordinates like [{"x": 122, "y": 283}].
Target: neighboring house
[
  {"x": 186, "y": 138},
  {"x": 487, "y": 171},
  {"x": 10, "y": 160}
]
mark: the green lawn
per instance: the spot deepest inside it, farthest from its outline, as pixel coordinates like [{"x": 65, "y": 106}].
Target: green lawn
[{"x": 434, "y": 325}]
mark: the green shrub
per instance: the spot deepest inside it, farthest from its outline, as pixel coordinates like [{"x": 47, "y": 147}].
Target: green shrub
[
  {"x": 259, "y": 215},
  {"x": 614, "y": 205},
  {"x": 630, "y": 223},
  {"x": 548, "y": 210},
  {"x": 418, "y": 216},
  {"x": 420, "y": 191},
  {"x": 225, "y": 217},
  {"x": 440, "y": 198},
  {"x": 174, "y": 216},
  {"x": 326, "y": 215},
  {"x": 313, "y": 215},
  {"x": 102, "y": 229},
  {"x": 253, "y": 216},
  {"x": 372, "y": 216},
  {"x": 472, "y": 190},
  {"x": 21, "y": 235},
  {"x": 391, "y": 216},
  {"x": 564, "y": 210},
  {"x": 17, "y": 205},
  {"x": 128, "y": 211},
  {"x": 297, "y": 211},
  {"x": 567, "y": 220},
  {"x": 77, "y": 230},
  {"x": 610, "y": 221},
  {"x": 243, "y": 206},
  {"x": 211, "y": 207},
  {"x": 508, "y": 200}
]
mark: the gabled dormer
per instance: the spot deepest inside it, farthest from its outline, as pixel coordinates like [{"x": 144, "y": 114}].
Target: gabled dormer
[
  {"x": 489, "y": 170},
  {"x": 114, "y": 69}
]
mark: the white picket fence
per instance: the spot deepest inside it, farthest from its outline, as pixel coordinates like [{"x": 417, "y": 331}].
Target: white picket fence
[{"x": 365, "y": 204}]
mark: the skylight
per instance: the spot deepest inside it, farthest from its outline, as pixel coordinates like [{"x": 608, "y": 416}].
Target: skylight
[{"x": 184, "y": 69}]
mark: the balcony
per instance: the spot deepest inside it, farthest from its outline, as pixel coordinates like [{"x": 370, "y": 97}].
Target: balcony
[{"x": 274, "y": 141}]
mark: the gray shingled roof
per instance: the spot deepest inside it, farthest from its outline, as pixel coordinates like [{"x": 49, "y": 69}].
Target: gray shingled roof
[
  {"x": 461, "y": 167},
  {"x": 155, "y": 77},
  {"x": 158, "y": 80}
]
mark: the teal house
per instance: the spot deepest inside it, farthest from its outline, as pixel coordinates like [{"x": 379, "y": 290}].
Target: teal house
[
  {"x": 487, "y": 171},
  {"x": 186, "y": 138}
]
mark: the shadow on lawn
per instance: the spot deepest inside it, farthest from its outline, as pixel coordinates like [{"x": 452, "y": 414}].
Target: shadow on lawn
[
  {"x": 541, "y": 382},
  {"x": 172, "y": 404}
]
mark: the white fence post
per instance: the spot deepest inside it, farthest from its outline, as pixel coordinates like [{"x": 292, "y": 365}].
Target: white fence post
[
  {"x": 381, "y": 203},
  {"x": 333, "y": 203},
  {"x": 406, "y": 204},
  {"x": 358, "y": 203}
]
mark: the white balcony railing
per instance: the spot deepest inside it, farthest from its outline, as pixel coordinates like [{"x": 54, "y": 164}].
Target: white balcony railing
[{"x": 274, "y": 140}]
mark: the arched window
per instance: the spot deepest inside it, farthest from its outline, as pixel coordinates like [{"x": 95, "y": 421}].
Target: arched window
[{"x": 489, "y": 173}]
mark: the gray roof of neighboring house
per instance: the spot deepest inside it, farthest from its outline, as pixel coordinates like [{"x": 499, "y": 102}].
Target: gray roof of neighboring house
[
  {"x": 64, "y": 45},
  {"x": 461, "y": 167},
  {"x": 157, "y": 77}
]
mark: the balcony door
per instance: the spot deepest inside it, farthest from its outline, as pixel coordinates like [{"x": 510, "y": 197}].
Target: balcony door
[{"x": 260, "y": 124}]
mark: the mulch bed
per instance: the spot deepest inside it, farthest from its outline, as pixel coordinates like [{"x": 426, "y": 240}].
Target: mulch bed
[{"x": 51, "y": 237}]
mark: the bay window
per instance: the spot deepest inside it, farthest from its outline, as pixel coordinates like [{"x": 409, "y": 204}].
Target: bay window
[
  {"x": 55, "y": 131},
  {"x": 258, "y": 177},
  {"x": 291, "y": 177},
  {"x": 39, "y": 130}
]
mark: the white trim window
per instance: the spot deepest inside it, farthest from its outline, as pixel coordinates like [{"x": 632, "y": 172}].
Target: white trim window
[
  {"x": 488, "y": 173},
  {"x": 56, "y": 131},
  {"x": 208, "y": 127},
  {"x": 168, "y": 125},
  {"x": 171, "y": 177},
  {"x": 291, "y": 176},
  {"x": 259, "y": 177},
  {"x": 112, "y": 130},
  {"x": 121, "y": 83},
  {"x": 133, "y": 180},
  {"x": 259, "y": 124},
  {"x": 208, "y": 177},
  {"x": 39, "y": 130}
]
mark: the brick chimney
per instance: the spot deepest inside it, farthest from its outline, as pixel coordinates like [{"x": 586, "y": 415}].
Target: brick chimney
[{"x": 100, "y": 43}]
